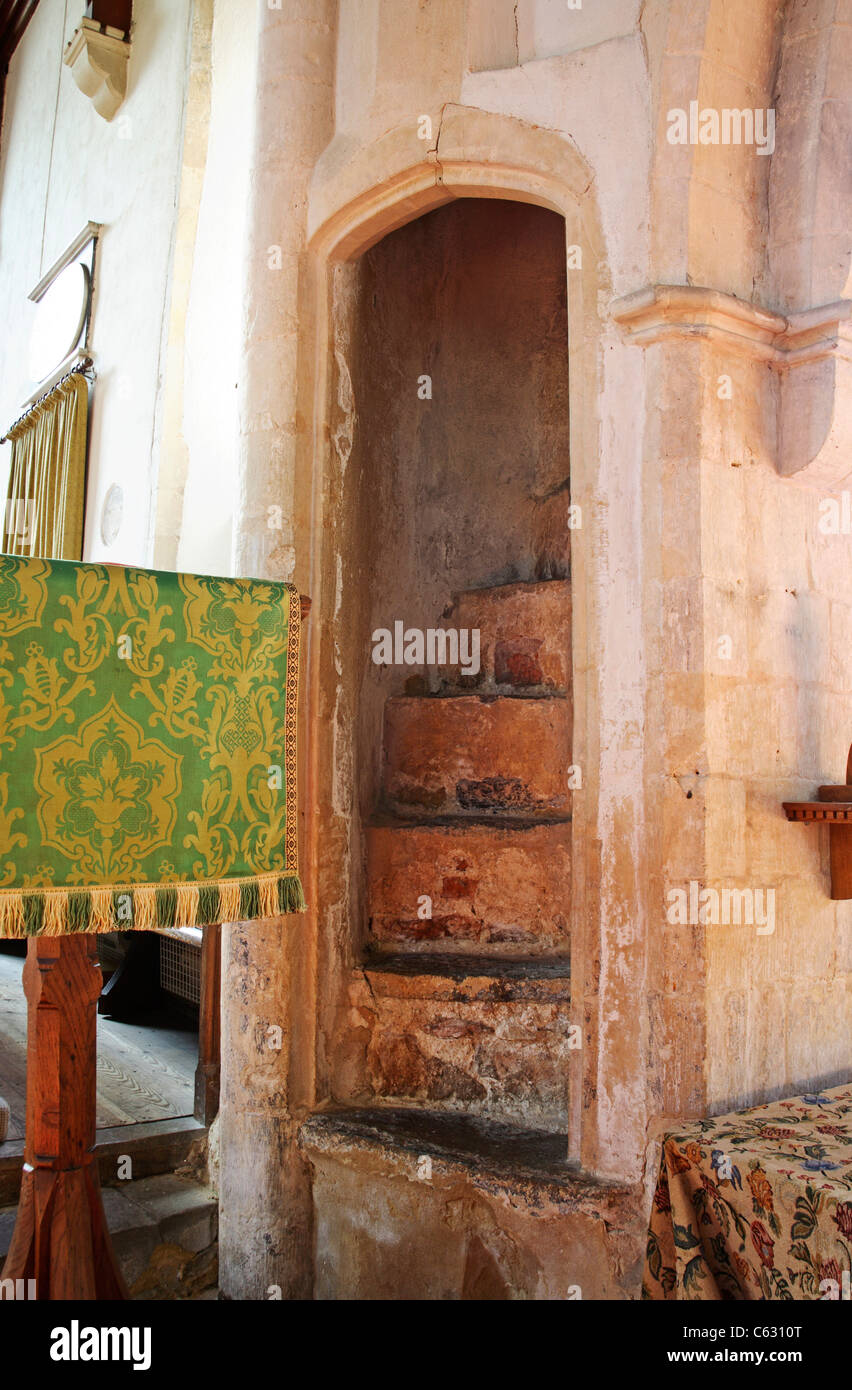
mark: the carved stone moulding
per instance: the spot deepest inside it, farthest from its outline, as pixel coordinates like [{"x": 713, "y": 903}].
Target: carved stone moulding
[{"x": 811, "y": 351}]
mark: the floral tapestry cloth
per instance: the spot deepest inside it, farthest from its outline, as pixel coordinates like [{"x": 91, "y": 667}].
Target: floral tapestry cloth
[
  {"x": 147, "y": 748},
  {"x": 756, "y": 1205}
]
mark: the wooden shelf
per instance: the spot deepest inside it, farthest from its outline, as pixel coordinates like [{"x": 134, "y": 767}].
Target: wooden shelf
[
  {"x": 839, "y": 812},
  {"x": 834, "y": 809}
]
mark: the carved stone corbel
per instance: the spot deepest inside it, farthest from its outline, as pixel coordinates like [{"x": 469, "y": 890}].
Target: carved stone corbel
[
  {"x": 811, "y": 351},
  {"x": 98, "y": 60},
  {"x": 815, "y": 400}
]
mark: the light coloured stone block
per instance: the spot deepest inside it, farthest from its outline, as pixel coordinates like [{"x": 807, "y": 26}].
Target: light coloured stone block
[{"x": 725, "y": 806}]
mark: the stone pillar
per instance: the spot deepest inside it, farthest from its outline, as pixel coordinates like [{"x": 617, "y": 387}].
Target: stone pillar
[
  {"x": 265, "y": 1236},
  {"x": 294, "y": 123}
]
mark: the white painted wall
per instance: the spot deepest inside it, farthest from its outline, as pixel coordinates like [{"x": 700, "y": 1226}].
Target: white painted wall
[
  {"x": 549, "y": 27},
  {"x": 214, "y": 323},
  {"x": 62, "y": 165}
]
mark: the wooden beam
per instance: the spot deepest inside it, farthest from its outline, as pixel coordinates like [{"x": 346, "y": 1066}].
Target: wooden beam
[
  {"x": 15, "y": 15},
  {"x": 112, "y": 14}
]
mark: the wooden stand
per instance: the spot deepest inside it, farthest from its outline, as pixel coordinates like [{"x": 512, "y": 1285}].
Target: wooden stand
[
  {"x": 61, "y": 1238},
  {"x": 833, "y": 808}
]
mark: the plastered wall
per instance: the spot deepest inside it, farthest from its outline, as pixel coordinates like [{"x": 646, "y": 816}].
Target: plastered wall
[
  {"x": 62, "y": 165},
  {"x": 778, "y": 725}
]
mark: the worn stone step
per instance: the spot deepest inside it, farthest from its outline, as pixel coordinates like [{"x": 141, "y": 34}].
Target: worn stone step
[
  {"x": 468, "y": 1034},
  {"x": 419, "y": 1204},
  {"x": 155, "y": 1146},
  {"x": 525, "y": 637},
  {"x": 485, "y": 886},
  {"x": 469, "y": 977},
  {"x": 474, "y": 755},
  {"x": 517, "y": 1154},
  {"x": 165, "y": 1235}
]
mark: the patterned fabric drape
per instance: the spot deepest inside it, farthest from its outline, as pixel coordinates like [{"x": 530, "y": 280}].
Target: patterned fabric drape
[
  {"x": 147, "y": 748},
  {"x": 45, "y": 500},
  {"x": 756, "y": 1204}
]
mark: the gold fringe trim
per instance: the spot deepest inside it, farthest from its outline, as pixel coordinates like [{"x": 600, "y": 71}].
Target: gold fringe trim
[
  {"x": 57, "y": 911},
  {"x": 229, "y": 902},
  {"x": 144, "y": 908},
  {"x": 268, "y": 894},
  {"x": 186, "y": 913},
  {"x": 55, "y": 914},
  {"x": 12, "y": 920},
  {"x": 101, "y": 915}
]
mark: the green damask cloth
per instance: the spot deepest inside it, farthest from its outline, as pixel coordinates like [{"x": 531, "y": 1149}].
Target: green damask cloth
[
  {"x": 147, "y": 748},
  {"x": 756, "y": 1204}
]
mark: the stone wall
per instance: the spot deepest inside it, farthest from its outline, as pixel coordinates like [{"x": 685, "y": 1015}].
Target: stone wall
[
  {"x": 708, "y": 419},
  {"x": 691, "y": 535}
]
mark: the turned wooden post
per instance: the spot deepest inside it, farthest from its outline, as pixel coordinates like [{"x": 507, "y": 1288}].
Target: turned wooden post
[{"x": 61, "y": 1238}]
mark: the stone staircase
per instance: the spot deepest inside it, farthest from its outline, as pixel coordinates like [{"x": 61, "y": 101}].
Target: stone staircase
[
  {"x": 478, "y": 1034},
  {"x": 465, "y": 994},
  {"x": 492, "y": 887},
  {"x": 450, "y": 1177}
]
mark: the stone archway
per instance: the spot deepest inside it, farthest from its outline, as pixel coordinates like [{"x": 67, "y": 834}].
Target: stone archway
[
  {"x": 449, "y": 489},
  {"x": 355, "y": 198},
  {"x": 534, "y": 166}
]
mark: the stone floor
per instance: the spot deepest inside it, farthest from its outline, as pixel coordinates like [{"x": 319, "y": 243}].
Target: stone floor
[{"x": 164, "y": 1230}]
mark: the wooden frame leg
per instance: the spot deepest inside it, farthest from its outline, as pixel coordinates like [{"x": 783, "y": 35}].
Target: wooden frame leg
[
  {"x": 61, "y": 1238},
  {"x": 207, "y": 1072}
]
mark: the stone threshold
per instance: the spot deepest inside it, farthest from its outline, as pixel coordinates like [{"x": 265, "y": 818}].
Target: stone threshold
[
  {"x": 155, "y": 1146},
  {"x": 164, "y": 1232},
  {"x": 439, "y": 1147}
]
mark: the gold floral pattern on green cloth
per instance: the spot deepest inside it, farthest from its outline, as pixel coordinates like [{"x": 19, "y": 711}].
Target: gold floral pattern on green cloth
[
  {"x": 107, "y": 797},
  {"x": 147, "y": 747},
  {"x": 756, "y": 1204}
]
